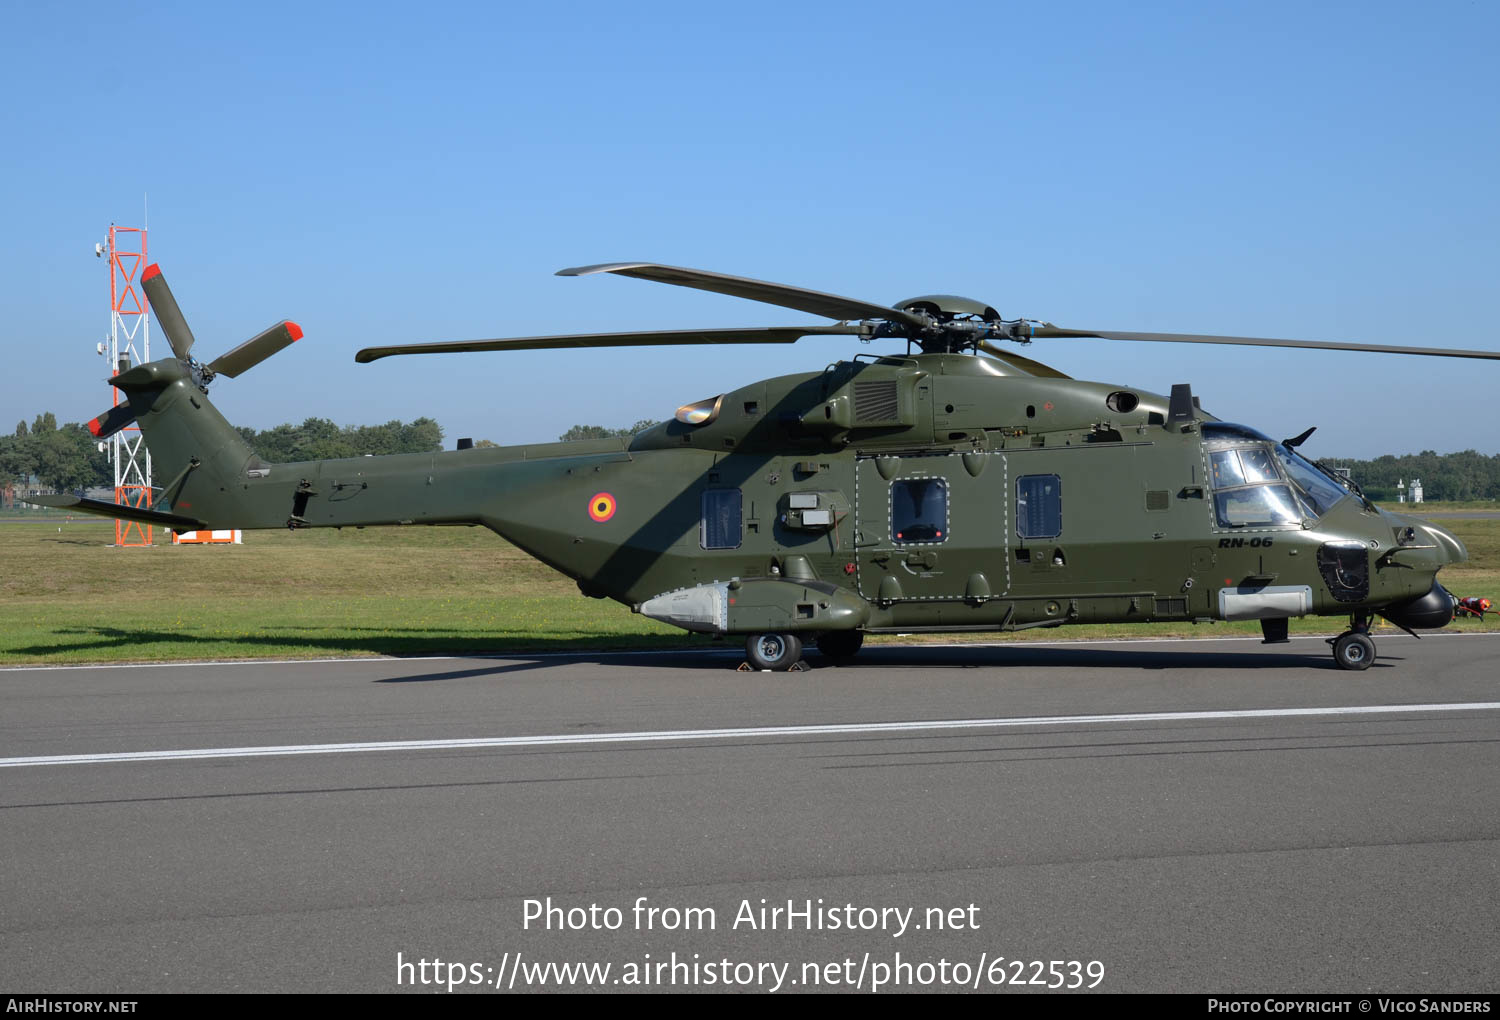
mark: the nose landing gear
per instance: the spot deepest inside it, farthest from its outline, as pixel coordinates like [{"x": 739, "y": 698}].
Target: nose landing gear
[{"x": 1353, "y": 649}]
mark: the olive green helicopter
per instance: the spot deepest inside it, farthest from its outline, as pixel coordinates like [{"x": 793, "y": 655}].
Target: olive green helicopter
[{"x": 952, "y": 486}]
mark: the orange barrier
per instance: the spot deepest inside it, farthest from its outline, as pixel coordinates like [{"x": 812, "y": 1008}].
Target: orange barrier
[{"x": 206, "y": 537}]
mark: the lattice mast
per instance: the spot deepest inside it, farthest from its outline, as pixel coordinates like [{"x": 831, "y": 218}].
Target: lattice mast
[{"x": 129, "y": 344}]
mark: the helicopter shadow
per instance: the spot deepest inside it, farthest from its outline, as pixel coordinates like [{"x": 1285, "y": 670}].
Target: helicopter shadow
[
  {"x": 917, "y": 658},
  {"x": 1053, "y": 657},
  {"x": 522, "y": 662},
  {"x": 93, "y": 643},
  {"x": 666, "y": 654}
]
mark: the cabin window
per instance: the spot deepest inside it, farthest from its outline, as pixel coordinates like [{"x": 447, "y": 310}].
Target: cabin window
[
  {"x": 919, "y": 510},
  {"x": 1039, "y": 506},
  {"x": 722, "y": 515}
]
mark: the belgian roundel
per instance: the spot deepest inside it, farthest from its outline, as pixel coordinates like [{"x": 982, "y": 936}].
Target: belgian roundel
[{"x": 602, "y": 507}]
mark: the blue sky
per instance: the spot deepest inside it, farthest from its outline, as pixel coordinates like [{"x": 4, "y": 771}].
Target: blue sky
[{"x": 384, "y": 173}]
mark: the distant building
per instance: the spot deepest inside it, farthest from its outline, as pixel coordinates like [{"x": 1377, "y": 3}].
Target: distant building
[
  {"x": 1416, "y": 490},
  {"x": 13, "y": 494}
]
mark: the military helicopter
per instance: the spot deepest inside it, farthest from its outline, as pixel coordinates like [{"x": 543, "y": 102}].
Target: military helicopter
[{"x": 953, "y": 486}]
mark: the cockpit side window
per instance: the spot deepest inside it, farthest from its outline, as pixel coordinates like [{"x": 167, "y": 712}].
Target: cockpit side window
[
  {"x": 1225, "y": 468},
  {"x": 1256, "y": 505},
  {"x": 1257, "y": 465},
  {"x": 1241, "y": 467},
  {"x": 1249, "y": 490}
]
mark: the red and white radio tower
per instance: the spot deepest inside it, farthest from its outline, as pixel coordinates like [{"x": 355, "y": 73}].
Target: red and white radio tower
[{"x": 129, "y": 344}]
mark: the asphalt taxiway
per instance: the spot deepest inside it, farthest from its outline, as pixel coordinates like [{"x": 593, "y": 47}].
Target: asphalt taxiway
[{"x": 1192, "y": 815}]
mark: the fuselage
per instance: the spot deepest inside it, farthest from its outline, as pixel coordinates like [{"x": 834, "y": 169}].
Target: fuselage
[{"x": 929, "y": 492}]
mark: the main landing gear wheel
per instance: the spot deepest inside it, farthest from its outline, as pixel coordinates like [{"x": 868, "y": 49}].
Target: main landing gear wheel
[
  {"x": 777, "y": 652},
  {"x": 1353, "y": 650},
  {"x": 841, "y": 644}
]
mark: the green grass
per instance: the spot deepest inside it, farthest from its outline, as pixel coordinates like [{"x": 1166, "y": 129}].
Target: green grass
[
  {"x": 1451, "y": 506},
  {"x": 67, "y": 595}
]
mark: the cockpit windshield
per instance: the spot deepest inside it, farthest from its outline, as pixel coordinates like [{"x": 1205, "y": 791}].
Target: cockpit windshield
[
  {"x": 1260, "y": 484},
  {"x": 1317, "y": 490}
]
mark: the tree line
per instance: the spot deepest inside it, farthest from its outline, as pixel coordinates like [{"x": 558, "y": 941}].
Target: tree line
[
  {"x": 67, "y": 458},
  {"x": 600, "y": 432},
  {"x": 321, "y": 439},
  {"x": 63, "y": 457},
  {"x": 1445, "y": 476}
]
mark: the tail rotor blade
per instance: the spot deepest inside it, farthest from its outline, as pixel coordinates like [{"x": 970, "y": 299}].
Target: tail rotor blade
[
  {"x": 168, "y": 315},
  {"x": 112, "y": 421},
  {"x": 257, "y": 349}
]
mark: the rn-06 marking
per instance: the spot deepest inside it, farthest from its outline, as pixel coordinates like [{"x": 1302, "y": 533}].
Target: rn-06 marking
[{"x": 1237, "y": 543}]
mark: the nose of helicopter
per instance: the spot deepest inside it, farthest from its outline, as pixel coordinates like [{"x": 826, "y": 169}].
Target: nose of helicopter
[
  {"x": 1447, "y": 542},
  {"x": 1425, "y": 545},
  {"x": 1442, "y": 546},
  {"x": 1427, "y": 548},
  {"x": 1448, "y": 548}
]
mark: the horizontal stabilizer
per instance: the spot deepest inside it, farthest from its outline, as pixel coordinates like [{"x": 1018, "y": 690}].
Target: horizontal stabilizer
[
  {"x": 84, "y": 505},
  {"x": 112, "y": 421}
]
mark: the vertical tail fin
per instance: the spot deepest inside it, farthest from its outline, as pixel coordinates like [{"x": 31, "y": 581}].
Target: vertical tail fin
[{"x": 190, "y": 441}]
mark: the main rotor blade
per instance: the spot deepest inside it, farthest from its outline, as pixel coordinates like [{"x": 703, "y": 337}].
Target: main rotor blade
[
  {"x": 168, "y": 316},
  {"x": 257, "y": 349},
  {"x": 1048, "y": 330},
  {"x": 816, "y": 302},
  {"x": 652, "y": 338}
]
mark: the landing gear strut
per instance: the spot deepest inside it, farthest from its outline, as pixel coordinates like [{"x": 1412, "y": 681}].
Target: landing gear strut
[{"x": 1353, "y": 649}]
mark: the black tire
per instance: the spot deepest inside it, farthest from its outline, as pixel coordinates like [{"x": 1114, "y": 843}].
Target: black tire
[
  {"x": 1354, "y": 650},
  {"x": 841, "y": 644},
  {"x": 773, "y": 651}
]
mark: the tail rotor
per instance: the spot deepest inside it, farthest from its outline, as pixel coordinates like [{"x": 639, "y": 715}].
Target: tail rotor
[{"x": 174, "y": 324}]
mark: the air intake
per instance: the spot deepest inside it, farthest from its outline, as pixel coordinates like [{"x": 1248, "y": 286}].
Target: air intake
[{"x": 877, "y": 403}]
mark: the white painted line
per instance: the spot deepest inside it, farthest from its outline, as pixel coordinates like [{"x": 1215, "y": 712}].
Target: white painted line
[{"x": 665, "y": 736}]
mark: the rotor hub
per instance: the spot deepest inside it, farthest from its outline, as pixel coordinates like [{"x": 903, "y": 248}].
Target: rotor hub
[{"x": 944, "y": 307}]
